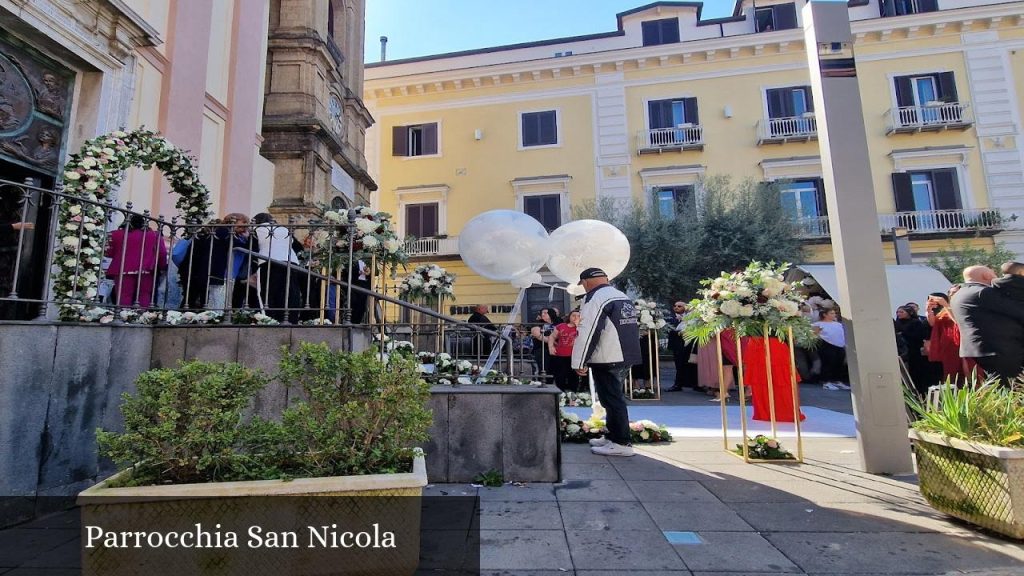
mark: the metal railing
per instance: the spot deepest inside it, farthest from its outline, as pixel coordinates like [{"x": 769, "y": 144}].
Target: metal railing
[
  {"x": 816, "y": 227},
  {"x": 685, "y": 136},
  {"x": 149, "y": 270},
  {"x": 918, "y": 222},
  {"x": 932, "y": 116},
  {"x": 789, "y": 128},
  {"x": 432, "y": 246}
]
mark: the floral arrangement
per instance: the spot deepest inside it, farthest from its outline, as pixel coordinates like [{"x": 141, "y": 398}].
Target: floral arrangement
[
  {"x": 427, "y": 283},
  {"x": 750, "y": 302},
  {"x": 252, "y": 317},
  {"x": 373, "y": 236},
  {"x": 89, "y": 176},
  {"x": 642, "y": 394},
  {"x": 315, "y": 322},
  {"x": 764, "y": 448},
  {"x": 133, "y": 316},
  {"x": 579, "y": 399},
  {"x": 575, "y": 429},
  {"x": 650, "y": 315},
  {"x": 175, "y": 318}
]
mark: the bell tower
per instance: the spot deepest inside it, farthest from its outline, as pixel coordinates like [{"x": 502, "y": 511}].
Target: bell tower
[{"x": 314, "y": 120}]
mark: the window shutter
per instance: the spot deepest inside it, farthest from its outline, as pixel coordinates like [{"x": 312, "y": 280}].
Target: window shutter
[
  {"x": 548, "y": 128},
  {"x": 947, "y": 189},
  {"x": 904, "y": 91},
  {"x": 785, "y": 16},
  {"x": 904, "y": 192},
  {"x": 809, "y": 97},
  {"x": 927, "y": 5},
  {"x": 819, "y": 193},
  {"x": 429, "y": 218},
  {"x": 531, "y": 205},
  {"x": 670, "y": 31},
  {"x": 400, "y": 141},
  {"x": 690, "y": 111},
  {"x": 552, "y": 212},
  {"x": 947, "y": 87},
  {"x": 429, "y": 139},
  {"x": 413, "y": 219},
  {"x": 650, "y": 33},
  {"x": 531, "y": 131}
]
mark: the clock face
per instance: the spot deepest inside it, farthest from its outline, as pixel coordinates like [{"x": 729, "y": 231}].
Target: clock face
[{"x": 334, "y": 108}]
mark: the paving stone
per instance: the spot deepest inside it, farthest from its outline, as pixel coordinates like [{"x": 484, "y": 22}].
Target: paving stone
[
  {"x": 631, "y": 551},
  {"x": 449, "y": 513},
  {"x": 642, "y": 573},
  {"x": 614, "y": 516},
  {"x": 589, "y": 471},
  {"x": 841, "y": 517},
  {"x": 66, "y": 556},
  {"x": 524, "y": 549},
  {"x": 670, "y": 491},
  {"x": 505, "y": 515},
  {"x": 888, "y": 553},
  {"x": 696, "y": 516},
  {"x": 521, "y": 493},
  {"x": 441, "y": 489},
  {"x": 594, "y": 490},
  {"x": 515, "y": 573},
  {"x": 20, "y": 545},
  {"x": 648, "y": 469},
  {"x": 581, "y": 453},
  {"x": 734, "y": 552}
]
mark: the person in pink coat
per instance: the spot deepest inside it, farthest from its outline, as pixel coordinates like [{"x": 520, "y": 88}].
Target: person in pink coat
[{"x": 137, "y": 255}]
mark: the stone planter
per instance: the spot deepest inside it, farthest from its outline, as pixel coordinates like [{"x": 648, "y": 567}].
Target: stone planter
[
  {"x": 317, "y": 510},
  {"x": 978, "y": 483}
]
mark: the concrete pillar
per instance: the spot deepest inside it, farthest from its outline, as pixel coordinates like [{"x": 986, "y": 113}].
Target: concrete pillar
[{"x": 853, "y": 217}]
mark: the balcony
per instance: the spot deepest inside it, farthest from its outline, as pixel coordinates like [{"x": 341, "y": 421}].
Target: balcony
[
  {"x": 919, "y": 222},
  {"x": 658, "y": 140},
  {"x": 932, "y": 117},
  {"x": 432, "y": 246},
  {"x": 791, "y": 129}
]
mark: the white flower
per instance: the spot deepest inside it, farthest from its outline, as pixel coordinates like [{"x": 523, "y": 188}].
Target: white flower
[
  {"x": 645, "y": 435},
  {"x": 72, "y": 176},
  {"x": 109, "y": 151},
  {"x": 74, "y": 209},
  {"x": 332, "y": 216},
  {"x": 70, "y": 241},
  {"x": 92, "y": 173},
  {"x": 772, "y": 287},
  {"x": 744, "y": 292},
  {"x": 436, "y": 272},
  {"x": 747, "y": 311},
  {"x": 89, "y": 226},
  {"x": 392, "y": 245},
  {"x": 365, "y": 226},
  {"x": 731, "y": 308},
  {"x": 91, "y": 185},
  {"x": 118, "y": 134},
  {"x": 573, "y": 428},
  {"x": 370, "y": 242}
]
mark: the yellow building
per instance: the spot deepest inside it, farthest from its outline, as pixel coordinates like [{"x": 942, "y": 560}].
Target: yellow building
[{"x": 643, "y": 112}]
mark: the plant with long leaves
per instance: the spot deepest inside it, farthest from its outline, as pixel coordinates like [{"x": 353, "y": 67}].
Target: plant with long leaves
[{"x": 976, "y": 411}]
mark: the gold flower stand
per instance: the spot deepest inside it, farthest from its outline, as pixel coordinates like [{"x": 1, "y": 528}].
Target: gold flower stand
[
  {"x": 741, "y": 385},
  {"x": 653, "y": 371}
]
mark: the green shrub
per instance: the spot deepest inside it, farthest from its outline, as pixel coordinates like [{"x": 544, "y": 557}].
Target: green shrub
[
  {"x": 188, "y": 425},
  {"x": 984, "y": 412}
]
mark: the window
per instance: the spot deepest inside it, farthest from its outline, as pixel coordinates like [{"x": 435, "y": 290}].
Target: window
[
  {"x": 675, "y": 201},
  {"x": 540, "y": 128},
  {"x": 902, "y": 7},
  {"x": 921, "y": 98},
  {"x": 790, "y": 111},
  {"x": 672, "y": 113},
  {"x": 778, "y": 17},
  {"x": 924, "y": 194},
  {"x": 415, "y": 140},
  {"x": 803, "y": 199},
  {"x": 421, "y": 220},
  {"x": 545, "y": 208},
  {"x": 665, "y": 31}
]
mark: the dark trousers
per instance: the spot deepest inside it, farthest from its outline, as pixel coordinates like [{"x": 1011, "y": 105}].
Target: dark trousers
[
  {"x": 833, "y": 363},
  {"x": 608, "y": 385},
  {"x": 1005, "y": 366},
  {"x": 566, "y": 378},
  {"x": 686, "y": 371}
]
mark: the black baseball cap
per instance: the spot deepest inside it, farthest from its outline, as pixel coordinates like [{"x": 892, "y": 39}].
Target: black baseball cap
[{"x": 592, "y": 273}]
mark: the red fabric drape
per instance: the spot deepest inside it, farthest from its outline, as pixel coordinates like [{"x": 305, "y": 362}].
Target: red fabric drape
[
  {"x": 944, "y": 347},
  {"x": 755, "y": 375}
]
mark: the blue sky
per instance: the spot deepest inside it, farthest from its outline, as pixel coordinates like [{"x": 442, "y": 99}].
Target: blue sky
[{"x": 423, "y": 27}]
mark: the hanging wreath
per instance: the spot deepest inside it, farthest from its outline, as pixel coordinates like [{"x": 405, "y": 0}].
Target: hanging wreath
[{"x": 89, "y": 177}]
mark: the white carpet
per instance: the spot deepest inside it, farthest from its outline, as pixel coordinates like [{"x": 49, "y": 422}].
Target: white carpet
[{"x": 706, "y": 421}]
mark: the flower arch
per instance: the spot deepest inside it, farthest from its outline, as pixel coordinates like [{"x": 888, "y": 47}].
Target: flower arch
[{"x": 89, "y": 176}]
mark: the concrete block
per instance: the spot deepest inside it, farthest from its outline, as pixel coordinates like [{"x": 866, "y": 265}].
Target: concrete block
[
  {"x": 212, "y": 344},
  {"x": 78, "y": 401},
  {"x": 718, "y": 553},
  {"x": 436, "y": 447},
  {"x": 474, "y": 435},
  {"x": 131, "y": 349},
  {"x": 516, "y": 550},
  {"x": 168, "y": 347},
  {"x": 334, "y": 336},
  {"x": 647, "y": 550},
  {"x": 26, "y": 361},
  {"x": 260, "y": 348},
  {"x": 530, "y": 444},
  {"x": 361, "y": 338}
]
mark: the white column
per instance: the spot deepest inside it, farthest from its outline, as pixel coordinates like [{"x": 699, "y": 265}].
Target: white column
[{"x": 853, "y": 217}]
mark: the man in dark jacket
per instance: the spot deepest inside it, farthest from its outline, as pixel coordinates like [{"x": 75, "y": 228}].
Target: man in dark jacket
[
  {"x": 991, "y": 324},
  {"x": 686, "y": 371},
  {"x": 609, "y": 343}
]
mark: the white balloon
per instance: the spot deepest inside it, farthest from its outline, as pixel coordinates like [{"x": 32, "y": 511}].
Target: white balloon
[
  {"x": 584, "y": 244},
  {"x": 575, "y": 290},
  {"x": 527, "y": 280},
  {"x": 504, "y": 244}
]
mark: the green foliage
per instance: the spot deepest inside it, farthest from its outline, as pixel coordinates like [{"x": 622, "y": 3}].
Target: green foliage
[
  {"x": 985, "y": 412},
  {"x": 731, "y": 226},
  {"x": 186, "y": 425},
  {"x": 952, "y": 260},
  {"x": 762, "y": 447},
  {"x": 492, "y": 479},
  {"x": 357, "y": 416}
]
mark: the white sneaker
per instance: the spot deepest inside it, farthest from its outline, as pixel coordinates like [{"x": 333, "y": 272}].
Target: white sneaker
[
  {"x": 842, "y": 385},
  {"x": 602, "y": 441},
  {"x": 612, "y": 449},
  {"x": 830, "y": 386}
]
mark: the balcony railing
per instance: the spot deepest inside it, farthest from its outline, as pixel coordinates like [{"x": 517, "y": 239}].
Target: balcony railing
[
  {"x": 919, "y": 222},
  {"x": 789, "y": 129},
  {"x": 930, "y": 117},
  {"x": 433, "y": 246},
  {"x": 938, "y": 221},
  {"x": 657, "y": 140}
]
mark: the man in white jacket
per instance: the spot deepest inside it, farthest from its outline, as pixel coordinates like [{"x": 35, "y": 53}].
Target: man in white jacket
[{"x": 609, "y": 344}]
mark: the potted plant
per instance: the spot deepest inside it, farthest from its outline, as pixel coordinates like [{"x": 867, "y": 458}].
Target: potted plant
[
  {"x": 969, "y": 443},
  {"x": 191, "y": 459}
]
